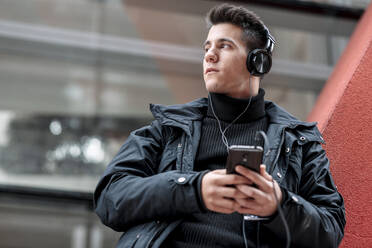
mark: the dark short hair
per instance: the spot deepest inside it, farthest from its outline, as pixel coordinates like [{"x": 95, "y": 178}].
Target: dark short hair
[{"x": 253, "y": 28}]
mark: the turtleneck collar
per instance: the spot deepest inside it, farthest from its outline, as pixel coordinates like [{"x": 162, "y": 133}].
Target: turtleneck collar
[{"x": 228, "y": 108}]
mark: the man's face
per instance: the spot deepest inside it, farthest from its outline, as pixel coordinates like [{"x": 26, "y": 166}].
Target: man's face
[{"x": 224, "y": 64}]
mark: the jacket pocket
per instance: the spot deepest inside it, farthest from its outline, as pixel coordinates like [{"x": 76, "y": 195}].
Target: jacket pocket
[
  {"x": 294, "y": 170},
  {"x": 290, "y": 164}
]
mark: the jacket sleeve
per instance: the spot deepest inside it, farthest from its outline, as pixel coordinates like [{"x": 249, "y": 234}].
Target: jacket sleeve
[
  {"x": 316, "y": 215},
  {"x": 131, "y": 191}
]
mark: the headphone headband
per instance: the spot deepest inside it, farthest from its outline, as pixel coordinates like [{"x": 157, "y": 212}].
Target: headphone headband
[{"x": 270, "y": 40}]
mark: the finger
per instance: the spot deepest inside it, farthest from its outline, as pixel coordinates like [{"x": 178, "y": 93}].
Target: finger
[
  {"x": 232, "y": 179},
  {"x": 223, "y": 210},
  {"x": 230, "y": 192},
  {"x": 264, "y": 173},
  {"x": 277, "y": 191},
  {"x": 223, "y": 203},
  {"x": 248, "y": 204},
  {"x": 220, "y": 171},
  {"x": 256, "y": 178},
  {"x": 262, "y": 169},
  {"x": 247, "y": 207},
  {"x": 242, "y": 210},
  {"x": 258, "y": 195}
]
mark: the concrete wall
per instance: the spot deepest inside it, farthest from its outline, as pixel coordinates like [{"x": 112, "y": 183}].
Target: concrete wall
[{"x": 344, "y": 113}]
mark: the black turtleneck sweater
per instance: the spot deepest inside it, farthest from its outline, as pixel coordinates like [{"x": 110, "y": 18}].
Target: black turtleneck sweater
[{"x": 211, "y": 229}]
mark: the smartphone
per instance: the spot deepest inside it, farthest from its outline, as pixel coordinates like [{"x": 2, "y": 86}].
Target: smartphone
[{"x": 247, "y": 156}]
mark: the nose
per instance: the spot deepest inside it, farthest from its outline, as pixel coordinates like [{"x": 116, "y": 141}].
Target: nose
[{"x": 211, "y": 56}]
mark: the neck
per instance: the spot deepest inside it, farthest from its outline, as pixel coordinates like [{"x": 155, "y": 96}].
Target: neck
[
  {"x": 228, "y": 108},
  {"x": 248, "y": 90}
]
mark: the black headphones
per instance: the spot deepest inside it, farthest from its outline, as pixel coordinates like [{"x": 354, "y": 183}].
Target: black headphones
[{"x": 259, "y": 60}]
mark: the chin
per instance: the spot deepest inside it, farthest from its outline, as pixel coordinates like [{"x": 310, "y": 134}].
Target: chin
[
  {"x": 212, "y": 86},
  {"x": 213, "y": 90}
]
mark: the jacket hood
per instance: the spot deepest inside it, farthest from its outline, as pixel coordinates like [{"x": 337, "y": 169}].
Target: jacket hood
[
  {"x": 196, "y": 110},
  {"x": 180, "y": 113}
]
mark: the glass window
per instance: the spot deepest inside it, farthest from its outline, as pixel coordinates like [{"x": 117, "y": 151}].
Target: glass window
[{"x": 77, "y": 76}]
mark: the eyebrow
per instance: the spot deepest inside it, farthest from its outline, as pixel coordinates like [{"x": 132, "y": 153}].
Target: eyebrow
[{"x": 207, "y": 42}]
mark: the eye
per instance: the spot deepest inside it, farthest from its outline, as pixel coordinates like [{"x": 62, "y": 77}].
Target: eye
[{"x": 225, "y": 45}]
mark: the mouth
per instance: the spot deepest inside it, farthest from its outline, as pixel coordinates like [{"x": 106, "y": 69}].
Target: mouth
[{"x": 210, "y": 70}]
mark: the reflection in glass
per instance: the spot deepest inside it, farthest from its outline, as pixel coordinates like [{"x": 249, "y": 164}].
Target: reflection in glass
[{"x": 59, "y": 152}]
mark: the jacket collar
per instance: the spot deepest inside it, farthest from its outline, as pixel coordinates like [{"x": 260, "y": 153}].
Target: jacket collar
[{"x": 182, "y": 114}]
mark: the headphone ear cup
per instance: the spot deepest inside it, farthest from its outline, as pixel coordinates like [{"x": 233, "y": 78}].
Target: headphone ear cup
[{"x": 259, "y": 62}]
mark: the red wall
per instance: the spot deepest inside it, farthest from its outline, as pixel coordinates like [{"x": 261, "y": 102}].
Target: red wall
[{"x": 344, "y": 115}]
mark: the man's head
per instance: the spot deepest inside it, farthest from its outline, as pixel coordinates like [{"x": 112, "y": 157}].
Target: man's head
[{"x": 233, "y": 32}]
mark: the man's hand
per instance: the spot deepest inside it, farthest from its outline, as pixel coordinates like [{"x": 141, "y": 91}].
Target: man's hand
[
  {"x": 261, "y": 200},
  {"x": 219, "y": 193}
]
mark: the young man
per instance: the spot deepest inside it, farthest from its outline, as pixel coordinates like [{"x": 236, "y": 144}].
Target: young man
[{"x": 168, "y": 186}]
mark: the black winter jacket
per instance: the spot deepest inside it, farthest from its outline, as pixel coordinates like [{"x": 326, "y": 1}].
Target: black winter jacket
[{"x": 148, "y": 189}]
